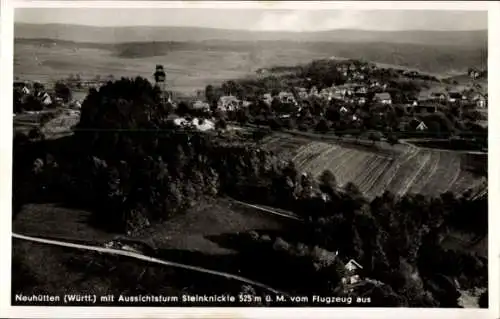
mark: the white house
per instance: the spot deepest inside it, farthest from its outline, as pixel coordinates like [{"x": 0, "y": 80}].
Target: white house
[
  {"x": 421, "y": 127},
  {"x": 286, "y": 97},
  {"x": 343, "y": 109},
  {"x": 352, "y": 266},
  {"x": 228, "y": 103},
  {"x": 480, "y": 100},
  {"x": 45, "y": 98},
  {"x": 351, "y": 276},
  {"x": 25, "y": 90},
  {"x": 267, "y": 98}
]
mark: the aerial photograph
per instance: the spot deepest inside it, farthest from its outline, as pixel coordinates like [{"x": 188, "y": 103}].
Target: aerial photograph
[{"x": 239, "y": 157}]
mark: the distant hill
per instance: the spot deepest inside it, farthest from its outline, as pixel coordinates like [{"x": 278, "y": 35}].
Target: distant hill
[
  {"x": 434, "y": 59},
  {"x": 79, "y": 33}
]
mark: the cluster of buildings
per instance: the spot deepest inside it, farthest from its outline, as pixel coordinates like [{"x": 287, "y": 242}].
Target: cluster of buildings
[
  {"x": 38, "y": 91},
  {"x": 35, "y": 90}
]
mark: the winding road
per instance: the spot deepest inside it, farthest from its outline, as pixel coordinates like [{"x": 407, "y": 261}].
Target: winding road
[{"x": 146, "y": 258}]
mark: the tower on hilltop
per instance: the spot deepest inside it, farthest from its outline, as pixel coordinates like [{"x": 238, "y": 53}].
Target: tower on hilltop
[{"x": 160, "y": 80}]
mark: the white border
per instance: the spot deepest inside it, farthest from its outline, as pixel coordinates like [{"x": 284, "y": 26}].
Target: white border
[{"x": 97, "y": 312}]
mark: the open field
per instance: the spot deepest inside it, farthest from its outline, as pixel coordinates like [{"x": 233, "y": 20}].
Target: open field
[
  {"x": 408, "y": 170},
  {"x": 191, "y": 66},
  {"x": 187, "y": 69}
]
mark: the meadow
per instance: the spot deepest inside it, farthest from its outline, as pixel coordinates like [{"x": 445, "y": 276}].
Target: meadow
[{"x": 190, "y": 66}]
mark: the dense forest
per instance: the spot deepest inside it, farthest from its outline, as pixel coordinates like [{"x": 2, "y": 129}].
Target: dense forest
[{"x": 131, "y": 167}]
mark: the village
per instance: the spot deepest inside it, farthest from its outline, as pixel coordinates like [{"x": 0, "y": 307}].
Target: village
[{"x": 369, "y": 99}]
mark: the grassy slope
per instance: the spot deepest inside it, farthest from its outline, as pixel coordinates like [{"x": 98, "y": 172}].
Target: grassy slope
[
  {"x": 409, "y": 170},
  {"x": 189, "y": 231}
]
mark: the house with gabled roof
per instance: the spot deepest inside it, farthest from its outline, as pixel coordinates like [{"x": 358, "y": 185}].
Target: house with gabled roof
[
  {"x": 352, "y": 265},
  {"x": 421, "y": 127},
  {"x": 417, "y": 125},
  {"x": 351, "y": 276}
]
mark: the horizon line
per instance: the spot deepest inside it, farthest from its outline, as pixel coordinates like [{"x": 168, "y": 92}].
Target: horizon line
[{"x": 237, "y": 29}]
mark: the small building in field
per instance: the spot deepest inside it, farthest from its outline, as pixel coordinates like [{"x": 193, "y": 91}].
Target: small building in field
[
  {"x": 421, "y": 127},
  {"x": 417, "y": 125}
]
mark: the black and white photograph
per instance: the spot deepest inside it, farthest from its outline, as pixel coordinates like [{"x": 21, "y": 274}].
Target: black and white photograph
[{"x": 249, "y": 157}]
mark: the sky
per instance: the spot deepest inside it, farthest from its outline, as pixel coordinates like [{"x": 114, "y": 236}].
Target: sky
[{"x": 260, "y": 19}]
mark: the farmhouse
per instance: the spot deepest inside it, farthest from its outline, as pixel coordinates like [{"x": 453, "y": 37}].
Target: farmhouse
[
  {"x": 228, "y": 103},
  {"x": 416, "y": 125},
  {"x": 384, "y": 98},
  {"x": 351, "y": 276},
  {"x": 22, "y": 87},
  {"x": 438, "y": 96},
  {"x": 45, "y": 98},
  {"x": 480, "y": 100},
  {"x": 286, "y": 97},
  {"x": 421, "y": 127}
]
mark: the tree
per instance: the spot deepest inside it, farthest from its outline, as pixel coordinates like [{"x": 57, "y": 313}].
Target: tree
[
  {"x": 221, "y": 124},
  {"x": 375, "y": 137},
  {"x": 63, "y": 91},
  {"x": 323, "y": 126},
  {"x": 210, "y": 94},
  {"x": 183, "y": 108},
  {"x": 483, "y": 300},
  {"x": 328, "y": 182},
  {"x": 392, "y": 139}
]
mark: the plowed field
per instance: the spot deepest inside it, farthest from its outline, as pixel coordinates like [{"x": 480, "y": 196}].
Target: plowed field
[{"x": 409, "y": 170}]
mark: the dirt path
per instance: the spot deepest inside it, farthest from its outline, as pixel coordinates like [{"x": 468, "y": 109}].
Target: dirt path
[{"x": 145, "y": 258}]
